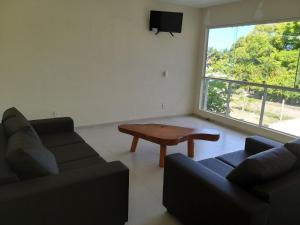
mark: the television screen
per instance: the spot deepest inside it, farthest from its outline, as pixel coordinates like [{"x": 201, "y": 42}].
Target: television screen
[{"x": 166, "y": 21}]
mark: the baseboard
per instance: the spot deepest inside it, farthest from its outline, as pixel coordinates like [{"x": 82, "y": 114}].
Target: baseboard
[
  {"x": 134, "y": 121},
  {"x": 244, "y": 127}
]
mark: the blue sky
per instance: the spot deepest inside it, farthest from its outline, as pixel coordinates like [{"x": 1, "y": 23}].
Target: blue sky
[{"x": 222, "y": 38}]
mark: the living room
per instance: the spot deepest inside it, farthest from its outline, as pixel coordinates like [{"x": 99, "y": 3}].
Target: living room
[{"x": 82, "y": 77}]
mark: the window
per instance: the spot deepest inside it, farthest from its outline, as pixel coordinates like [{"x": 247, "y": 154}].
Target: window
[{"x": 253, "y": 74}]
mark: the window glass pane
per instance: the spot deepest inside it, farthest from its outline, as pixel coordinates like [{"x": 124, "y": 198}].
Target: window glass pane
[
  {"x": 264, "y": 57},
  {"x": 245, "y": 103},
  {"x": 282, "y": 111},
  {"x": 267, "y": 53},
  {"x": 217, "y": 63},
  {"x": 215, "y": 97},
  {"x": 297, "y": 84}
]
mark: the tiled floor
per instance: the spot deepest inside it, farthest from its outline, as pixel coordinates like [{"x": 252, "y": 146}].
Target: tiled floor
[{"x": 146, "y": 178}]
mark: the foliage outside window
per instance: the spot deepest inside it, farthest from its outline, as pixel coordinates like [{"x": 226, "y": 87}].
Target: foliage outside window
[{"x": 265, "y": 54}]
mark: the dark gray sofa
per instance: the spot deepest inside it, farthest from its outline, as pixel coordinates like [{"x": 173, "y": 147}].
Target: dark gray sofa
[
  {"x": 87, "y": 191},
  {"x": 199, "y": 192}
]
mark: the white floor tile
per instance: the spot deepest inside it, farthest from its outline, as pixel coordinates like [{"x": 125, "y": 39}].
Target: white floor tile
[{"x": 146, "y": 178}]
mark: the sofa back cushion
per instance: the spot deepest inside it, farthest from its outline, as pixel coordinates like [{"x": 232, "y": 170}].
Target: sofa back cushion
[
  {"x": 28, "y": 158},
  {"x": 294, "y": 147},
  {"x": 263, "y": 167}
]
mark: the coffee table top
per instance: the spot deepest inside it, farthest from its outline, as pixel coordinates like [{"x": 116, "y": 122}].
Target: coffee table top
[{"x": 167, "y": 134}]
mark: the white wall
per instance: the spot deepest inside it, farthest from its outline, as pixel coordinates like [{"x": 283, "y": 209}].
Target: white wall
[
  {"x": 95, "y": 61},
  {"x": 242, "y": 13}
]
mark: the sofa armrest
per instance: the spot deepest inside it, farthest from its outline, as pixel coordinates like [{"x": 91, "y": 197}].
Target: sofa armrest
[
  {"x": 256, "y": 144},
  {"x": 196, "y": 194},
  {"x": 96, "y": 194},
  {"x": 53, "y": 125}
]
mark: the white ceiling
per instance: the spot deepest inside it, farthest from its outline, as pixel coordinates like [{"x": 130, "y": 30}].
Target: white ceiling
[{"x": 200, "y": 3}]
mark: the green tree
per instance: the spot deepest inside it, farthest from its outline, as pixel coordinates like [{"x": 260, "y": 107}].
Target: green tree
[
  {"x": 268, "y": 54},
  {"x": 217, "y": 98}
]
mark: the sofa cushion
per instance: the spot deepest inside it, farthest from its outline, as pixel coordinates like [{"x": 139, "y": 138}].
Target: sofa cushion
[
  {"x": 60, "y": 139},
  {"x": 3, "y": 140},
  {"x": 29, "y": 158},
  {"x": 6, "y": 174},
  {"x": 234, "y": 158},
  {"x": 81, "y": 163},
  {"x": 263, "y": 167},
  {"x": 294, "y": 147},
  {"x": 71, "y": 152},
  {"x": 217, "y": 166},
  {"x": 285, "y": 187}
]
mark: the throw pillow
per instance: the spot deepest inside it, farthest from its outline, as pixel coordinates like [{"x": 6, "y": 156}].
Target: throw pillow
[
  {"x": 11, "y": 112},
  {"x": 15, "y": 124},
  {"x": 13, "y": 121},
  {"x": 28, "y": 158},
  {"x": 262, "y": 167}
]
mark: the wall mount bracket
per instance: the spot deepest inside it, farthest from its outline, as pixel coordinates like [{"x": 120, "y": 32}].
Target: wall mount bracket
[{"x": 157, "y": 32}]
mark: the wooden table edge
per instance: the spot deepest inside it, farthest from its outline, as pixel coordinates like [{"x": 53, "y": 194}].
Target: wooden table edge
[{"x": 190, "y": 138}]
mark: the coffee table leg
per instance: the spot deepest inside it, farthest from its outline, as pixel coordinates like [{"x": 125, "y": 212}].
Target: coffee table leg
[
  {"x": 134, "y": 144},
  {"x": 191, "y": 148},
  {"x": 163, "y": 151}
]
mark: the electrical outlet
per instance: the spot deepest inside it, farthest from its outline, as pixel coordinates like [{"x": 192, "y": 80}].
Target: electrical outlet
[
  {"x": 55, "y": 114},
  {"x": 165, "y": 73}
]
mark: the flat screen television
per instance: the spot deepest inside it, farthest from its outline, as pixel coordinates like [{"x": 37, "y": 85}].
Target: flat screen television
[{"x": 166, "y": 21}]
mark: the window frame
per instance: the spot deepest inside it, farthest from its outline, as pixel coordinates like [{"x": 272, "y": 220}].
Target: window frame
[{"x": 237, "y": 124}]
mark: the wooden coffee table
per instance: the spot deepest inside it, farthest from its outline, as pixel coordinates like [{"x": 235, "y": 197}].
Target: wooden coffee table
[{"x": 166, "y": 135}]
